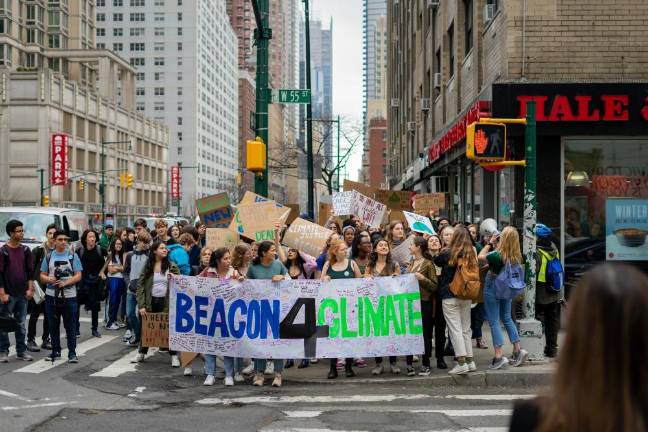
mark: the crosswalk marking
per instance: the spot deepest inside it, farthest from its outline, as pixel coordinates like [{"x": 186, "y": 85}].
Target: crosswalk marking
[
  {"x": 446, "y": 412},
  {"x": 463, "y": 429},
  {"x": 45, "y": 364},
  {"x": 122, "y": 366},
  {"x": 40, "y": 405}
]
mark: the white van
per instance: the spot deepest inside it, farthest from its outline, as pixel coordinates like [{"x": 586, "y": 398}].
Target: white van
[{"x": 36, "y": 220}]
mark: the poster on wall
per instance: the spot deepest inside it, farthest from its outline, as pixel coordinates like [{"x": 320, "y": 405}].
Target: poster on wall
[{"x": 626, "y": 229}]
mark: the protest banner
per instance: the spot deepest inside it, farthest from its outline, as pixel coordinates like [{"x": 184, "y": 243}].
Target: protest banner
[
  {"x": 342, "y": 203},
  {"x": 419, "y": 223},
  {"x": 215, "y": 210},
  {"x": 395, "y": 200},
  {"x": 155, "y": 330},
  {"x": 257, "y": 221},
  {"x": 424, "y": 203},
  {"x": 307, "y": 237},
  {"x": 258, "y": 318},
  {"x": 221, "y": 237},
  {"x": 251, "y": 198},
  {"x": 364, "y": 189},
  {"x": 369, "y": 211},
  {"x": 401, "y": 253}
]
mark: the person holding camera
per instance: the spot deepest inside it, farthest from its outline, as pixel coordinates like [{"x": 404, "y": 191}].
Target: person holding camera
[{"x": 61, "y": 271}]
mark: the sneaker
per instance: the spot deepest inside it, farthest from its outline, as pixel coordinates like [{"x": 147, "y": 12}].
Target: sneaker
[
  {"x": 314, "y": 360},
  {"x": 472, "y": 367},
  {"x": 229, "y": 381},
  {"x": 4, "y": 357},
  {"x": 210, "y": 380},
  {"x": 24, "y": 357},
  {"x": 121, "y": 324},
  {"x": 520, "y": 358},
  {"x": 425, "y": 371},
  {"x": 54, "y": 356},
  {"x": 127, "y": 336},
  {"x": 498, "y": 363},
  {"x": 410, "y": 371},
  {"x": 96, "y": 334},
  {"x": 188, "y": 371},
  {"x": 269, "y": 370},
  {"x": 133, "y": 342},
  {"x": 459, "y": 369},
  {"x": 377, "y": 370},
  {"x": 340, "y": 364},
  {"x": 113, "y": 326},
  {"x": 32, "y": 346},
  {"x": 73, "y": 359},
  {"x": 415, "y": 359},
  {"x": 393, "y": 368},
  {"x": 258, "y": 380},
  {"x": 238, "y": 377},
  {"x": 277, "y": 381},
  {"x": 46, "y": 345},
  {"x": 249, "y": 369},
  {"x": 139, "y": 358},
  {"x": 361, "y": 363},
  {"x": 175, "y": 361}
]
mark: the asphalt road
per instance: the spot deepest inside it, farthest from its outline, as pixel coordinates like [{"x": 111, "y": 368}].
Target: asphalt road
[{"x": 105, "y": 392}]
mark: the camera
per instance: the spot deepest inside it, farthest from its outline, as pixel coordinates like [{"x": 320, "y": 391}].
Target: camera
[{"x": 60, "y": 272}]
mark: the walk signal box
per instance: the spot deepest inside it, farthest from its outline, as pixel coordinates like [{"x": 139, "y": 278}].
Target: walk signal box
[
  {"x": 256, "y": 151},
  {"x": 486, "y": 141}
]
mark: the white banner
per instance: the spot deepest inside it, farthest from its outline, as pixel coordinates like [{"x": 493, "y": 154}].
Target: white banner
[
  {"x": 343, "y": 203},
  {"x": 296, "y": 318},
  {"x": 419, "y": 223},
  {"x": 368, "y": 210}
]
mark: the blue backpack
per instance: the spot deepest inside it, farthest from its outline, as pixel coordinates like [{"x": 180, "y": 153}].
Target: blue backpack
[
  {"x": 509, "y": 283},
  {"x": 555, "y": 275}
]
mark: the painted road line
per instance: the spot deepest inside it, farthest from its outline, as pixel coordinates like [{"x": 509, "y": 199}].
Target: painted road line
[
  {"x": 45, "y": 364},
  {"x": 14, "y": 396},
  {"x": 122, "y": 366},
  {"x": 446, "y": 412},
  {"x": 302, "y": 414},
  {"x": 461, "y": 429},
  {"x": 41, "y": 405},
  {"x": 491, "y": 397}
]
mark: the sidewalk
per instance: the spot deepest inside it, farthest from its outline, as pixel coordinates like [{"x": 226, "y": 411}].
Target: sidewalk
[{"x": 527, "y": 375}]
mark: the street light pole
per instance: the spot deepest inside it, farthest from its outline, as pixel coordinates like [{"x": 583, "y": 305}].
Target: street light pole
[
  {"x": 41, "y": 171},
  {"x": 262, "y": 35},
  {"x": 338, "y": 153},
  {"x": 309, "y": 116}
]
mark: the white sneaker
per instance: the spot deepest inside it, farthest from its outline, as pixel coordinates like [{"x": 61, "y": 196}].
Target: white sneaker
[
  {"x": 314, "y": 360},
  {"x": 113, "y": 326},
  {"x": 277, "y": 382},
  {"x": 472, "y": 367},
  {"x": 187, "y": 371},
  {"x": 238, "y": 377},
  {"x": 415, "y": 359},
  {"x": 460, "y": 369},
  {"x": 393, "y": 368},
  {"x": 127, "y": 336},
  {"x": 139, "y": 358},
  {"x": 258, "y": 380},
  {"x": 175, "y": 361},
  {"x": 269, "y": 370},
  {"x": 379, "y": 369},
  {"x": 210, "y": 380},
  {"x": 249, "y": 369},
  {"x": 229, "y": 381}
]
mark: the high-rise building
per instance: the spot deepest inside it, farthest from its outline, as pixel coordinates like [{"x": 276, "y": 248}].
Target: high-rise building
[
  {"x": 322, "y": 82},
  {"x": 186, "y": 55},
  {"x": 374, "y": 34}
]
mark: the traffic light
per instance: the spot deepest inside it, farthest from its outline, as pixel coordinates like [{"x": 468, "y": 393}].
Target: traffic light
[
  {"x": 129, "y": 180},
  {"x": 81, "y": 185},
  {"x": 486, "y": 141},
  {"x": 256, "y": 152},
  {"x": 122, "y": 179},
  {"x": 45, "y": 200}
]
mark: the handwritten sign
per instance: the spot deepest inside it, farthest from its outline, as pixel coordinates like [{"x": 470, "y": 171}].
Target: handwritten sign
[
  {"x": 424, "y": 203},
  {"x": 395, "y": 200},
  {"x": 419, "y": 223},
  {"x": 368, "y": 210},
  {"x": 155, "y": 330},
  {"x": 251, "y": 198},
  {"x": 324, "y": 212},
  {"x": 294, "y": 213},
  {"x": 215, "y": 210},
  {"x": 221, "y": 237},
  {"x": 342, "y": 203},
  {"x": 307, "y": 237},
  {"x": 257, "y": 221},
  {"x": 401, "y": 253},
  {"x": 364, "y": 189}
]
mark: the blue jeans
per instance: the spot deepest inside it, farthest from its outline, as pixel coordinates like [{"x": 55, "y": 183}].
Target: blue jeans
[
  {"x": 260, "y": 365},
  {"x": 231, "y": 363},
  {"x": 497, "y": 310},
  {"x": 133, "y": 319},
  {"x": 69, "y": 322},
  {"x": 17, "y": 307},
  {"x": 115, "y": 288}
]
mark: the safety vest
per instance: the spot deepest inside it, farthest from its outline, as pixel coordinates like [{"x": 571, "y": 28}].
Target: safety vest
[{"x": 545, "y": 257}]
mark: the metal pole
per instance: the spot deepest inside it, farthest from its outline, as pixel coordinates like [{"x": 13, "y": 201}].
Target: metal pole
[
  {"x": 179, "y": 186},
  {"x": 530, "y": 327},
  {"x": 309, "y": 120},
  {"x": 262, "y": 35},
  {"x": 338, "y": 153},
  {"x": 41, "y": 171},
  {"x": 102, "y": 188}
]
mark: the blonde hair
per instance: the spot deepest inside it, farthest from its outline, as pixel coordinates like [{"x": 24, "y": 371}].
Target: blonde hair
[
  {"x": 335, "y": 244},
  {"x": 509, "y": 246}
]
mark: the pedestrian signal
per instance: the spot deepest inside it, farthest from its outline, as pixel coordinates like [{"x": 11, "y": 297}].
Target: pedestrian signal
[
  {"x": 256, "y": 155},
  {"x": 486, "y": 141}
]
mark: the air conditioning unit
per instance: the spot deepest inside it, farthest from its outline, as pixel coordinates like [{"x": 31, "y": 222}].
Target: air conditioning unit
[
  {"x": 395, "y": 103},
  {"x": 411, "y": 126},
  {"x": 437, "y": 80},
  {"x": 433, "y": 3},
  {"x": 489, "y": 12},
  {"x": 425, "y": 104}
]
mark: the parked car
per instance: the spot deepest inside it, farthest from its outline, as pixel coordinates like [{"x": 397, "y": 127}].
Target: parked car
[
  {"x": 581, "y": 254},
  {"x": 36, "y": 220}
]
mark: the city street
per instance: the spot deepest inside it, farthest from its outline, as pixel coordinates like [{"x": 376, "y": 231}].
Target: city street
[{"x": 105, "y": 392}]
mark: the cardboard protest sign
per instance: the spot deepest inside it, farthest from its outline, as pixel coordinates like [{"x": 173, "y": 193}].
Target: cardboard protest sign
[
  {"x": 251, "y": 198},
  {"x": 155, "y": 330},
  {"x": 368, "y": 210},
  {"x": 401, "y": 253},
  {"x": 215, "y": 210},
  {"x": 221, "y": 237},
  {"x": 424, "y": 203},
  {"x": 342, "y": 203},
  {"x": 324, "y": 213},
  {"x": 419, "y": 223},
  {"x": 294, "y": 213},
  {"x": 257, "y": 221},
  {"x": 364, "y": 189},
  {"x": 296, "y": 318},
  {"x": 186, "y": 358},
  {"x": 307, "y": 237},
  {"x": 395, "y": 200},
  {"x": 396, "y": 215}
]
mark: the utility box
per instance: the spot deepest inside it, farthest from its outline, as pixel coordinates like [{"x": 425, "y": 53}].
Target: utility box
[{"x": 256, "y": 151}]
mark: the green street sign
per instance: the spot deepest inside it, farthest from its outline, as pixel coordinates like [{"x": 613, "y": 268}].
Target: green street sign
[{"x": 291, "y": 96}]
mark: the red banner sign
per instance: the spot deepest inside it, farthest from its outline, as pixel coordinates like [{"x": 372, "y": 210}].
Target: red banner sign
[
  {"x": 59, "y": 155},
  {"x": 175, "y": 182}
]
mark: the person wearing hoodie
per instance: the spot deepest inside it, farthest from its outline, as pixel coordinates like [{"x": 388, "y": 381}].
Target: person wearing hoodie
[
  {"x": 179, "y": 256},
  {"x": 133, "y": 267},
  {"x": 548, "y": 302},
  {"x": 107, "y": 236}
]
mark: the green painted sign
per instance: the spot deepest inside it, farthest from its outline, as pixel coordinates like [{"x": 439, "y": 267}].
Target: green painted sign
[{"x": 292, "y": 96}]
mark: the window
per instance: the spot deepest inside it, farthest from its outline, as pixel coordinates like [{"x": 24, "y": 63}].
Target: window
[
  {"x": 179, "y": 106},
  {"x": 468, "y": 25},
  {"x": 140, "y": 106},
  {"x": 451, "y": 53},
  {"x": 179, "y": 136},
  {"x": 159, "y": 31},
  {"x": 118, "y": 46},
  {"x": 137, "y": 46},
  {"x": 179, "y": 16},
  {"x": 118, "y": 3},
  {"x": 179, "y": 151},
  {"x": 179, "y": 91},
  {"x": 179, "y": 121},
  {"x": 158, "y": 46},
  {"x": 101, "y": 32},
  {"x": 101, "y": 17},
  {"x": 179, "y": 61},
  {"x": 159, "y": 61},
  {"x": 179, "y": 76},
  {"x": 179, "y": 2},
  {"x": 159, "y": 91},
  {"x": 494, "y": 3},
  {"x": 118, "y": 32},
  {"x": 137, "y": 61},
  {"x": 158, "y": 17},
  {"x": 137, "y": 31},
  {"x": 101, "y": 45},
  {"x": 140, "y": 91},
  {"x": 118, "y": 17},
  {"x": 179, "y": 46},
  {"x": 137, "y": 3},
  {"x": 159, "y": 2},
  {"x": 159, "y": 76},
  {"x": 137, "y": 17},
  {"x": 179, "y": 31},
  {"x": 101, "y": 3},
  {"x": 140, "y": 76}
]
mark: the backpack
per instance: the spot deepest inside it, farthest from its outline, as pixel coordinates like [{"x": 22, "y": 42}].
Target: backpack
[
  {"x": 554, "y": 273},
  {"x": 510, "y": 282},
  {"x": 466, "y": 284}
]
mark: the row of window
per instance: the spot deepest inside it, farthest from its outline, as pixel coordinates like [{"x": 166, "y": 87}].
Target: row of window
[
  {"x": 117, "y": 32},
  {"x": 135, "y": 17},
  {"x": 133, "y": 3}
]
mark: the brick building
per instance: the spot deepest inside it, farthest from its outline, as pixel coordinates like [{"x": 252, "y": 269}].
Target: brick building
[
  {"x": 377, "y": 148},
  {"x": 582, "y": 61}
]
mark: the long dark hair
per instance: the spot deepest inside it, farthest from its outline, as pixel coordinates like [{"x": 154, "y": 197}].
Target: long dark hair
[
  {"x": 373, "y": 257},
  {"x": 299, "y": 261},
  {"x": 84, "y": 237},
  {"x": 355, "y": 246},
  {"x": 216, "y": 256},
  {"x": 113, "y": 252},
  {"x": 150, "y": 263},
  {"x": 600, "y": 383},
  {"x": 264, "y": 247},
  {"x": 422, "y": 244}
]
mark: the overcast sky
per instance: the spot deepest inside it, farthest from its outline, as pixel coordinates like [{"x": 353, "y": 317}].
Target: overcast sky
[{"x": 347, "y": 62}]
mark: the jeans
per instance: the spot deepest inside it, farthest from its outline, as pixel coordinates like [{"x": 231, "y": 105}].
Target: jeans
[
  {"x": 69, "y": 322},
  {"x": 133, "y": 319},
  {"x": 496, "y": 310},
  {"x": 231, "y": 364},
  {"x": 260, "y": 365},
  {"x": 457, "y": 315},
  {"x": 33, "y": 320},
  {"x": 17, "y": 307},
  {"x": 115, "y": 288},
  {"x": 549, "y": 316},
  {"x": 477, "y": 316}
]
